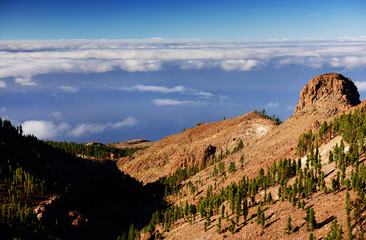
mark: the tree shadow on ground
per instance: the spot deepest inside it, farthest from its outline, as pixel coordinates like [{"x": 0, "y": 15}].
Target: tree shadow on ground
[
  {"x": 297, "y": 228},
  {"x": 326, "y": 175},
  {"x": 269, "y": 224},
  {"x": 325, "y": 222},
  {"x": 269, "y": 216}
]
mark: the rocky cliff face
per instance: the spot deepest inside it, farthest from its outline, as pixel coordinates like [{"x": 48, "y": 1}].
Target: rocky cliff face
[
  {"x": 328, "y": 93},
  {"x": 136, "y": 143}
]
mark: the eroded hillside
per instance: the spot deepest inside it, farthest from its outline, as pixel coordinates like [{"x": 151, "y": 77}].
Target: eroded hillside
[{"x": 195, "y": 146}]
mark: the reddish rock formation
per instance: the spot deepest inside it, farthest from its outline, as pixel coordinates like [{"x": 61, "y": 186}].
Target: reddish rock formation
[
  {"x": 136, "y": 143},
  {"x": 94, "y": 144},
  {"x": 46, "y": 206},
  {"x": 331, "y": 91},
  {"x": 77, "y": 219}
]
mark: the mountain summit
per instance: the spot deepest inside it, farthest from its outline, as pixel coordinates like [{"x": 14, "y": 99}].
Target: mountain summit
[{"x": 329, "y": 93}]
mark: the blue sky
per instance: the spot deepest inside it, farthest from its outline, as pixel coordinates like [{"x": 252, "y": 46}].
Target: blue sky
[
  {"x": 207, "y": 19},
  {"x": 148, "y": 69}
]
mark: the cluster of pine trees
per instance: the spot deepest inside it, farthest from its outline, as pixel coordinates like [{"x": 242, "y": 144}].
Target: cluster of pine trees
[
  {"x": 32, "y": 170},
  {"x": 18, "y": 189},
  {"x": 173, "y": 181},
  {"x": 99, "y": 152},
  {"x": 274, "y": 118}
]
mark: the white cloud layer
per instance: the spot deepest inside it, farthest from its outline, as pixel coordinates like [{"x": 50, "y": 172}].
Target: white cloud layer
[
  {"x": 86, "y": 128},
  {"x": 240, "y": 65},
  {"x": 272, "y": 104},
  {"x": 44, "y": 129},
  {"x": 48, "y": 129},
  {"x": 163, "y": 89},
  {"x": 25, "y": 81},
  {"x": 22, "y": 60},
  {"x": 69, "y": 89},
  {"x": 170, "y": 102},
  {"x": 361, "y": 86}
]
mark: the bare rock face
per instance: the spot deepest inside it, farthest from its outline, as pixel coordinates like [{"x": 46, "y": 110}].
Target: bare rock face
[
  {"x": 46, "y": 207},
  {"x": 77, "y": 219},
  {"x": 136, "y": 143},
  {"x": 94, "y": 144},
  {"x": 328, "y": 92}
]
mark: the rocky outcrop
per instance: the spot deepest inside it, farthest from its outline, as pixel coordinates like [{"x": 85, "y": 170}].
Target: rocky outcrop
[
  {"x": 46, "y": 207},
  {"x": 331, "y": 91},
  {"x": 77, "y": 219},
  {"x": 136, "y": 143},
  {"x": 94, "y": 144}
]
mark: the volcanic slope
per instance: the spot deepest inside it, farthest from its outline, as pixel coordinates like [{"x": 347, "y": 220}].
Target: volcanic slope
[
  {"x": 325, "y": 98},
  {"x": 264, "y": 142},
  {"x": 194, "y": 146}
]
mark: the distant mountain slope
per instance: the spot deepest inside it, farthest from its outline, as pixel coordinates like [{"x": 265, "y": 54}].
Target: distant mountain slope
[{"x": 194, "y": 146}]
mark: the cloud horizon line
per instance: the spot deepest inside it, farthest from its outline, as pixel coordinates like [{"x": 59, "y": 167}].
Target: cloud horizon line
[{"x": 22, "y": 59}]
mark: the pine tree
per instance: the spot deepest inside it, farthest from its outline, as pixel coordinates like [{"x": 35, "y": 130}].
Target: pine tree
[
  {"x": 307, "y": 218},
  {"x": 131, "y": 232},
  {"x": 232, "y": 226},
  {"x": 312, "y": 219},
  {"x": 232, "y": 167},
  {"x": 208, "y": 219},
  {"x": 289, "y": 226},
  {"x": 349, "y": 227},
  {"x": 311, "y": 237},
  {"x": 241, "y": 160},
  {"x": 245, "y": 209},
  {"x": 335, "y": 232},
  {"x": 331, "y": 159},
  {"x": 258, "y": 214},
  {"x": 237, "y": 207},
  {"x": 218, "y": 225},
  {"x": 262, "y": 219},
  {"x": 269, "y": 197}
]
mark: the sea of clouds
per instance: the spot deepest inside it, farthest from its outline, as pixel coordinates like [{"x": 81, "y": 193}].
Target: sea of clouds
[{"x": 23, "y": 60}]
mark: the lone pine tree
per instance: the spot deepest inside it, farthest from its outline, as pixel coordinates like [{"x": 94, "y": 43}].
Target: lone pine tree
[{"x": 288, "y": 226}]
